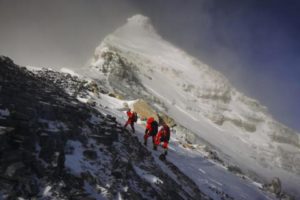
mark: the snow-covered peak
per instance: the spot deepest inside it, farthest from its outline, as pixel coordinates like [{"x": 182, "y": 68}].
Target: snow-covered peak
[
  {"x": 138, "y": 63},
  {"x": 188, "y": 82},
  {"x": 139, "y": 20},
  {"x": 137, "y": 40},
  {"x": 138, "y": 33}
]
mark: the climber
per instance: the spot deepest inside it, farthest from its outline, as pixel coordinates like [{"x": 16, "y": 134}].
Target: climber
[
  {"x": 163, "y": 136},
  {"x": 132, "y": 117},
  {"x": 151, "y": 130}
]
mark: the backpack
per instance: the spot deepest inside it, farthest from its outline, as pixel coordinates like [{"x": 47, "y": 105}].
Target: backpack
[
  {"x": 134, "y": 117},
  {"x": 154, "y": 126},
  {"x": 166, "y": 133}
]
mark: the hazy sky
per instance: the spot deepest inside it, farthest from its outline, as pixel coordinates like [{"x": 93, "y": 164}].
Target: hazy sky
[{"x": 254, "y": 43}]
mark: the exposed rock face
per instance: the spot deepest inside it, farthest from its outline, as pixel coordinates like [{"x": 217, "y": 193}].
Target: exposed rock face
[
  {"x": 90, "y": 154},
  {"x": 121, "y": 75},
  {"x": 276, "y": 186},
  {"x": 144, "y": 110},
  {"x": 54, "y": 147}
]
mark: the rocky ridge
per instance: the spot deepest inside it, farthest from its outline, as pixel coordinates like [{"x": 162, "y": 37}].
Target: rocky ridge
[{"x": 55, "y": 147}]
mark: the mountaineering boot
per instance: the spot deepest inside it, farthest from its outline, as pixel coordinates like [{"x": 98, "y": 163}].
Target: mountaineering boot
[
  {"x": 162, "y": 157},
  {"x": 145, "y": 142},
  {"x": 166, "y": 152}
]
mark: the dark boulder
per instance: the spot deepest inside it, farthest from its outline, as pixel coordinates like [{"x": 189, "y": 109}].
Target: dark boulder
[{"x": 90, "y": 154}]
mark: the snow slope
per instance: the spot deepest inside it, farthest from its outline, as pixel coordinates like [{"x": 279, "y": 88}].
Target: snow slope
[
  {"x": 201, "y": 173},
  {"x": 135, "y": 61},
  {"x": 211, "y": 178}
]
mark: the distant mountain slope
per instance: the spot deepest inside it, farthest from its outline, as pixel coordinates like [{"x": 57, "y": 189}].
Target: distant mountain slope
[{"x": 135, "y": 61}]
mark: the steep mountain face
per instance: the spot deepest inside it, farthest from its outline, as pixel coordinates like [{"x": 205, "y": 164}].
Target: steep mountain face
[
  {"x": 52, "y": 146},
  {"x": 136, "y": 62}
]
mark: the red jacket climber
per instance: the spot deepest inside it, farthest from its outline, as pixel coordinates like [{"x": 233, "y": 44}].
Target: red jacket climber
[
  {"x": 151, "y": 130},
  {"x": 163, "y": 136},
  {"x": 131, "y": 119}
]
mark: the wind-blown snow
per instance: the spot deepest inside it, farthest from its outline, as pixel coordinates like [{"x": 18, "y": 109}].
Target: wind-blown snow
[
  {"x": 69, "y": 71},
  {"x": 33, "y": 68}
]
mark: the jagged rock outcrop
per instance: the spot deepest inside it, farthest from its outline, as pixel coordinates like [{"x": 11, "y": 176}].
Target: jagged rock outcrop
[{"x": 144, "y": 110}]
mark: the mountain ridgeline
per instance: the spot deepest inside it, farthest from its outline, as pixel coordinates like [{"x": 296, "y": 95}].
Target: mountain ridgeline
[{"x": 136, "y": 62}]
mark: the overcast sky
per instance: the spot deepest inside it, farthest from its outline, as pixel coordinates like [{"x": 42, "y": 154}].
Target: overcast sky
[{"x": 254, "y": 43}]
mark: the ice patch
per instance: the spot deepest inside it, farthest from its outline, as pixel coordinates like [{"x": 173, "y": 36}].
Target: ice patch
[
  {"x": 4, "y": 113},
  {"x": 259, "y": 185},
  {"x": 148, "y": 177},
  {"x": 46, "y": 191},
  {"x": 74, "y": 161},
  {"x": 83, "y": 100}
]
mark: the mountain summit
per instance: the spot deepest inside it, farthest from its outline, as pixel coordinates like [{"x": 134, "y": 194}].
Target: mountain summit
[
  {"x": 138, "y": 24},
  {"x": 136, "y": 62},
  {"x": 138, "y": 38}
]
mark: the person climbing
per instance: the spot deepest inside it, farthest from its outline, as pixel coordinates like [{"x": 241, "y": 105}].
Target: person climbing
[
  {"x": 163, "y": 136},
  {"x": 151, "y": 130},
  {"x": 132, "y": 117}
]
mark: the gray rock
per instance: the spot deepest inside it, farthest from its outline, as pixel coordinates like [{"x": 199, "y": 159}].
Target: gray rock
[
  {"x": 235, "y": 169},
  {"x": 90, "y": 154},
  {"x": 13, "y": 169},
  {"x": 276, "y": 186}
]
